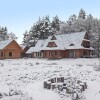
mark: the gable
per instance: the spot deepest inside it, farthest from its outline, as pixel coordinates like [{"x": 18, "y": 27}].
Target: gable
[
  {"x": 86, "y": 36},
  {"x": 13, "y": 45},
  {"x": 86, "y": 41},
  {"x": 51, "y": 44},
  {"x": 53, "y": 38}
]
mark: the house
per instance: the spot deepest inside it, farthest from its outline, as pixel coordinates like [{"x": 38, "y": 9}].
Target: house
[
  {"x": 71, "y": 45},
  {"x": 9, "y": 49},
  {"x": 24, "y": 49}
]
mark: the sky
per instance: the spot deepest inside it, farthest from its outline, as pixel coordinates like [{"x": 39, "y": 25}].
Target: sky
[{"x": 20, "y": 15}]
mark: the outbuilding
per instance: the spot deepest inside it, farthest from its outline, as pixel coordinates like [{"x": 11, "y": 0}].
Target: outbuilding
[{"x": 9, "y": 49}]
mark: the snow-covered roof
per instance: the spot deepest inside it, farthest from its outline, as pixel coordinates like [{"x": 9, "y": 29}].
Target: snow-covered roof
[
  {"x": 4, "y": 43},
  {"x": 63, "y": 42},
  {"x": 23, "y": 46},
  {"x": 37, "y": 47}
]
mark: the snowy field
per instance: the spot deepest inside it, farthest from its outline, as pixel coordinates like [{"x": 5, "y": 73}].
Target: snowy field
[{"x": 28, "y": 75}]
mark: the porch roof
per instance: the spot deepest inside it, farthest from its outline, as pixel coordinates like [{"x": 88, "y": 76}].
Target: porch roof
[
  {"x": 33, "y": 49},
  {"x": 37, "y": 48}
]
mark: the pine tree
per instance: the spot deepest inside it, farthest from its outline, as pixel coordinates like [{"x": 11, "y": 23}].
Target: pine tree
[
  {"x": 25, "y": 38},
  {"x": 82, "y": 14},
  {"x": 11, "y": 36},
  {"x": 98, "y": 44},
  {"x": 4, "y": 35},
  {"x": 45, "y": 28},
  {"x": 55, "y": 24},
  {"x": 89, "y": 22},
  {"x": 1, "y": 34},
  {"x": 5, "y": 32}
]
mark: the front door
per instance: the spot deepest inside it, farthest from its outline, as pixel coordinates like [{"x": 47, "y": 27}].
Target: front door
[{"x": 71, "y": 54}]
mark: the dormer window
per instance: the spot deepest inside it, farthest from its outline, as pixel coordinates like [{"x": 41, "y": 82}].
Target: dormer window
[
  {"x": 71, "y": 44},
  {"x": 86, "y": 44},
  {"x": 51, "y": 44}
]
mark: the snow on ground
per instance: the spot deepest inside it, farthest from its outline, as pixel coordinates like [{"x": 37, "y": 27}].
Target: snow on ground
[{"x": 28, "y": 75}]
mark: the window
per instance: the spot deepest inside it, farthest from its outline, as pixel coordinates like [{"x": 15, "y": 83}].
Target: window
[
  {"x": 85, "y": 53},
  {"x": 55, "y": 52},
  {"x": 10, "y": 54},
  {"x": 51, "y": 44},
  {"x": 52, "y": 53},
  {"x": 71, "y": 44},
  {"x": 86, "y": 44}
]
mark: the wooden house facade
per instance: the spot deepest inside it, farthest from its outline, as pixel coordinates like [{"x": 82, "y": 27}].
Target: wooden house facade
[
  {"x": 9, "y": 49},
  {"x": 72, "y": 45}
]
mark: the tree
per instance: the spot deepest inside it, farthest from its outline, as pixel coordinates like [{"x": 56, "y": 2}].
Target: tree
[
  {"x": 12, "y": 36},
  {"x": 98, "y": 44},
  {"x": 4, "y": 35},
  {"x": 97, "y": 49},
  {"x": 25, "y": 38},
  {"x": 40, "y": 30},
  {"x": 55, "y": 24},
  {"x": 82, "y": 14},
  {"x": 63, "y": 28},
  {"x": 89, "y": 22},
  {"x": 45, "y": 28},
  {"x": 73, "y": 18}
]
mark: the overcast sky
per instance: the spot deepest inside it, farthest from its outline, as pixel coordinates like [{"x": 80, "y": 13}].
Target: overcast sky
[{"x": 19, "y": 15}]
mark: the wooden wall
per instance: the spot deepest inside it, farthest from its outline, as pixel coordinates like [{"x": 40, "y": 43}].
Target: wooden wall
[{"x": 13, "y": 48}]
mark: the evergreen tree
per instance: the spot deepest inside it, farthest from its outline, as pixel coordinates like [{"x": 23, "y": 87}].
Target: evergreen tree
[
  {"x": 89, "y": 22},
  {"x": 82, "y": 14},
  {"x": 25, "y": 38},
  {"x": 40, "y": 30},
  {"x": 4, "y": 35},
  {"x": 55, "y": 24},
  {"x": 45, "y": 28},
  {"x": 11, "y": 36},
  {"x": 98, "y": 45}
]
